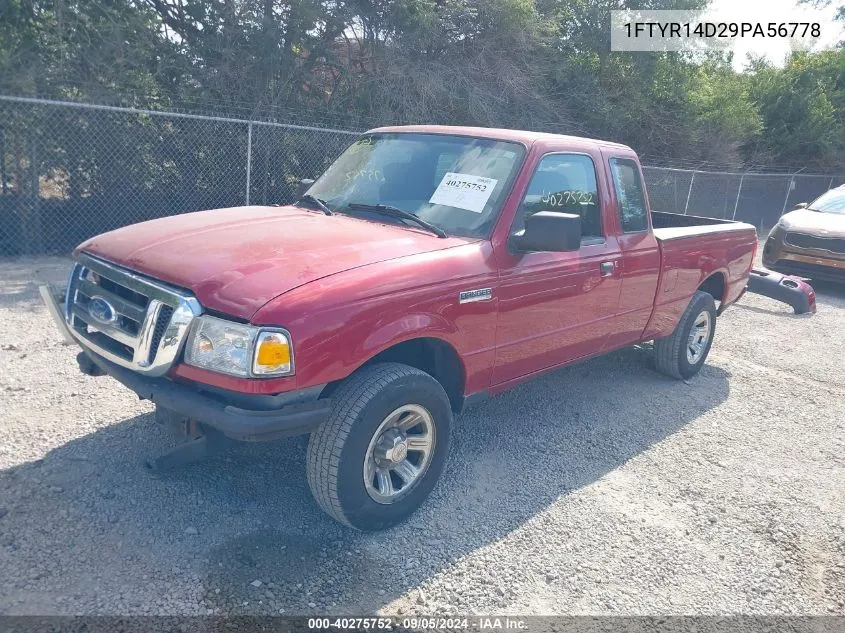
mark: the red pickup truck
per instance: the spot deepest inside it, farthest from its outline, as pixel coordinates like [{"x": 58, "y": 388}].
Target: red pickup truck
[{"x": 427, "y": 268}]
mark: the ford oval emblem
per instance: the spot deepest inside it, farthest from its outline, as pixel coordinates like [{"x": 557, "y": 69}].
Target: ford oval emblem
[{"x": 101, "y": 310}]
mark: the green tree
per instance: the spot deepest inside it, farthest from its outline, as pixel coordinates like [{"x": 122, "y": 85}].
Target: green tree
[{"x": 803, "y": 110}]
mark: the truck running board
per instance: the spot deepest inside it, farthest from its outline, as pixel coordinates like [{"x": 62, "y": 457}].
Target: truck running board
[{"x": 786, "y": 288}]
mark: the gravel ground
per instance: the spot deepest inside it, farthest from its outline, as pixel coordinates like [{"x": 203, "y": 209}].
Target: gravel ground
[{"x": 603, "y": 488}]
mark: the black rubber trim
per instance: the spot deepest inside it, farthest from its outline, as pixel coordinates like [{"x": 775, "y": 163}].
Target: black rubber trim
[
  {"x": 235, "y": 422},
  {"x": 788, "y": 289}
]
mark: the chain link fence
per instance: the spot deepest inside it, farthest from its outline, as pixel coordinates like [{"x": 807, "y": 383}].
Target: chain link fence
[
  {"x": 69, "y": 171},
  {"x": 757, "y": 198}
]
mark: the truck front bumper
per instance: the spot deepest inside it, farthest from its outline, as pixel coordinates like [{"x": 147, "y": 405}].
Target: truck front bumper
[{"x": 304, "y": 412}]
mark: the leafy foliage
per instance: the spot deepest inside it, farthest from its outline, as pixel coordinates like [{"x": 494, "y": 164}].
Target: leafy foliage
[
  {"x": 803, "y": 109},
  {"x": 542, "y": 64}
]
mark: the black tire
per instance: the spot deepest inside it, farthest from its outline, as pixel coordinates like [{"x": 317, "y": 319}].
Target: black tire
[
  {"x": 670, "y": 353},
  {"x": 337, "y": 449}
]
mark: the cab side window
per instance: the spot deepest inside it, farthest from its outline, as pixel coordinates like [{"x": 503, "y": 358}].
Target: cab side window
[
  {"x": 629, "y": 194},
  {"x": 565, "y": 183}
]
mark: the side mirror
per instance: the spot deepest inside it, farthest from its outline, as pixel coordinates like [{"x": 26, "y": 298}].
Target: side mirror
[
  {"x": 549, "y": 231},
  {"x": 801, "y": 205},
  {"x": 303, "y": 186}
]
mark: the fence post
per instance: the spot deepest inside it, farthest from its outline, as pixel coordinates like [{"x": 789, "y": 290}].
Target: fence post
[
  {"x": 34, "y": 239},
  {"x": 689, "y": 193},
  {"x": 788, "y": 191},
  {"x": 736, "y": 203},
  {"x": 3, "y": 182},
  {"x": 675, "y": 204},
  {"x": 248, "y": 158}
]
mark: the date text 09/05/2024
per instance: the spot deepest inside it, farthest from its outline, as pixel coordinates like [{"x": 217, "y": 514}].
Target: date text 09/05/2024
[
  {"x": 418, "y": 623},
  {"x": 722, "y": 29}
]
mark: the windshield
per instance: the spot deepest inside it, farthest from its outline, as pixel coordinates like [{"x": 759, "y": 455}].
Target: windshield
[
  {"x": 456, "y": 183},
  {"x": 831, "y": 202}
]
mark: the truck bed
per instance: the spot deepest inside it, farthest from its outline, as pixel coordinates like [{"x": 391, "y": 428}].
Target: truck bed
[
  {"x": 672, "y": 226},
  {"x": 692, "y": 250}
]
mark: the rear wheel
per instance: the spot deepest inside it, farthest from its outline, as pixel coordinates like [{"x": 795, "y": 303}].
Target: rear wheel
[
  {"x": 682, "y": 354},
  {"x": 383, "y": 447}
]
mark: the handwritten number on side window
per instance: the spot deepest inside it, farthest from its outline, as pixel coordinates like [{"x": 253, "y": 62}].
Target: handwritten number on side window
[{"x": 565, "y": 198}]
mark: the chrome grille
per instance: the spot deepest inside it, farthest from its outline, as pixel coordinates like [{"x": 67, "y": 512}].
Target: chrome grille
[
  {"x": 128, "y": 319},
  {"x": 804, "y": 240},
  {"x": 160, "y": 327}
]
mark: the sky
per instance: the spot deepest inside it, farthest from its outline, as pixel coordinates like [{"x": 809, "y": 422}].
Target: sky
[{"x": 766, "y": 11}]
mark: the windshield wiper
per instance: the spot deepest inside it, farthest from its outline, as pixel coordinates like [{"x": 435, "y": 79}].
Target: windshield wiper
[
  {"x": 316, "y": 202},
  {"x": 396, "y": 212}
]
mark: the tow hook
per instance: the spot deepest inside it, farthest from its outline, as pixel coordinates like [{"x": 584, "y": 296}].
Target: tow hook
[
  {"x": 198, "y": 442},
  {"x": 789, "y": 289}
]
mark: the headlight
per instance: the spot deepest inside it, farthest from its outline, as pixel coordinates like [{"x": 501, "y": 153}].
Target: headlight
[{"x": 238, "y": 349}]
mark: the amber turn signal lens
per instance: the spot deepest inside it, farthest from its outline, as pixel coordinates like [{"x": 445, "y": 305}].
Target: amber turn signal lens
[
  {"x": 272, "y": 355},
  {"x": 204, "y": 344},
  {"x": 273, "y": 351}
]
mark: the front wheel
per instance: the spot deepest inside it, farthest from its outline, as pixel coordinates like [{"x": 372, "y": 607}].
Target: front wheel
[
  {"x": 682, "y": 354},
  {"x": 383, "y": 447}
]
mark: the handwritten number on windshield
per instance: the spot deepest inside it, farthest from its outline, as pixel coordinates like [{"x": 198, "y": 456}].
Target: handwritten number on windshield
[{"x": 371, "y": 175}]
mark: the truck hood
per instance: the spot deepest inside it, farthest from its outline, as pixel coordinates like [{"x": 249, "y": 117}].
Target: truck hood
[
  {"x": 236, "y": 260},
  {"x": 814, "y": 223}
]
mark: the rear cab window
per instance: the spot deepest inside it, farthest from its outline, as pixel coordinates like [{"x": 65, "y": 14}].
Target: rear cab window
[
  {"x": 565, "y": 183},
  {"x": 628, "y": 185}
]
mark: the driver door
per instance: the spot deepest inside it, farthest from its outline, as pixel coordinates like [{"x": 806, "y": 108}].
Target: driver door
[{"x": 557, "y": 307}]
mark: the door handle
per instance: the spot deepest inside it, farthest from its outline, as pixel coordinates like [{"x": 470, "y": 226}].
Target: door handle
[{"x": 607, "y": 268}]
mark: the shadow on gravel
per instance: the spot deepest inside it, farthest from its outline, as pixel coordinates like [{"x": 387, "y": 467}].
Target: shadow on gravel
[
  {"x": 243, "y": 528},
  {"x": 786, "y": 311}
]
